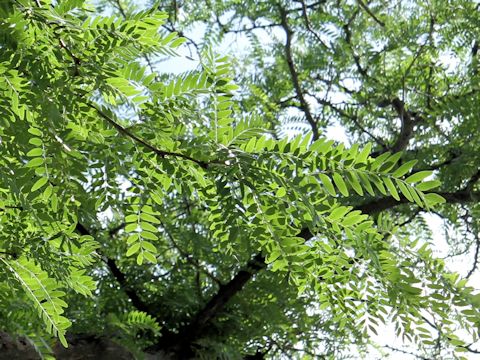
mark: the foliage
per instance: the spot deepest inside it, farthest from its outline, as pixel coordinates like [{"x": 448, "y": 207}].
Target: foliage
[{"x": 175, "y": 214}]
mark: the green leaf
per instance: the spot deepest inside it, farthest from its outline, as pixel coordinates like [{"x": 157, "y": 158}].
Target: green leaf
[
  {"x": 378, "y": 184},
  {"x": 39, "y": 183},
  {"x": 35, "y": 162},
  {"x": 131, "y": 218},
  {"x": 34, "y": 131},
  {"x": 405, "y": 168},
  {"x": 140, "y": 258},
  {"x": 379, "y": 161},
  {"x": 150, "y": 257},
  {"x": 327, "y": 183},
  {"x": 281, "y": 192},
  {"x": 35, "y": 152},
  {"x": 131, "y": 227},
  {"x": 366, "y": 183},
  {"x": 133, "y": 249},
  {"x": 428, "y": 185},
  {"x": 62, "y": 339},
  {"x": 404, "y": 189},
  {"x": 391, "y": 188},
  {"x": 149, "y": 247},
  {"x": 354, "y": 182},
  {"x": 149, "y": 218},
  {"x": 419, "y": 176},
  {"x": 148, "y": 235},
  {"x": 340, "y": 184},
  {"x": 433, "y": 199},
  {"x": 149, "y": 227},
  {"x": 337, "y": 213},
  {"x": 363, "y": 156}
]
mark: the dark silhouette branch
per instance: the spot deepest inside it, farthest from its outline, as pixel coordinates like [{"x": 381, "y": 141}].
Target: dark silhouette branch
[
  {"x": 182, "y": 342},
  {"x": 119, "y": 276},
  {"x": 369, "y": 12},
  {"x": 377, "y": 205},
  {"x": 308, "y": 24},
  {"x": 185, "y": 255},
  {"x": 348, "y": 39},
  {"x": 408, "y": 123},
  {"x": 305, "y": 107},
  {"x": 475, "y": 257},
  {"x": 406, "y": 352},
  {"x": 142, "y": 142}
]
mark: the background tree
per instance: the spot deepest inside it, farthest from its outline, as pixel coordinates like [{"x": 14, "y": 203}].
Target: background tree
[{"x": 179, "y": 217}]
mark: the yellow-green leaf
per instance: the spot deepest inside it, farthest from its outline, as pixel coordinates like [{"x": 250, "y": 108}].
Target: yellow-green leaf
[
  {"x": 340, "y": 184},
  {"x": 39, "y": 183}
]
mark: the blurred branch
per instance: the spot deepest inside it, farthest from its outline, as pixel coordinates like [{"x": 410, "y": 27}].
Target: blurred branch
[
  {"x": 406, "y": 352},
  {"x": 369, "y": 12}
]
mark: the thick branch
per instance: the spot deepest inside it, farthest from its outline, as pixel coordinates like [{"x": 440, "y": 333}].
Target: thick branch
[
  {"x": 408, "y": 123},
  {"x": 225, "y": 293},
  {"x": 185, "y": 255},
  {"x": 377, "y": 205},
  {"x": 182, "y": 342}
]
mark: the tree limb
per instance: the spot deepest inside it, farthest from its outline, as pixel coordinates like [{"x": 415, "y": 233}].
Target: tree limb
[
  {"x": 369, "y": 12},
  {"x": 120, "y": 277},
  {"x": 408, "y": 123},
  {"x": 386, "y": 203},
  {"x": 294, "y": 75},
  {"x": 142, "y": 142},
  {"x": 182, "y": 341}
]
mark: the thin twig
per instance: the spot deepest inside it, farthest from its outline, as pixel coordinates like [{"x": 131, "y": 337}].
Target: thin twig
[
  {"x": 369, "y": 12},
  {"x": 294, "y": 75},
  {"x": 406, "y": 352},
  {"x": 189, "y": 259},
  {"x": 308, "y": 24},
  {"x": 475, "y": 257},
  {"x": 161, "y": 153}
]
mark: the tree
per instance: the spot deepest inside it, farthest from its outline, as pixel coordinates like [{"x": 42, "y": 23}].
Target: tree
[{"x": 172, "y": 216}]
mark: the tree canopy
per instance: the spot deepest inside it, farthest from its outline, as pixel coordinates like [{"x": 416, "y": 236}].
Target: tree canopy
[{"x": 147, "y": 213}]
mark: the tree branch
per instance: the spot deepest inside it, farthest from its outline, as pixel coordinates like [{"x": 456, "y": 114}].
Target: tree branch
[
  {"x": 475, "y": 257},
  {"x": 408, "y": 123},
  {"x": 294, "y": 75},
  {"x": 308, "y": 25},
  {"x": 189, "y": 258},
  {"x": 183, "y": 340},
  {"x": 348, "y": 40},
  {"x": 120, "y": 277},
  {"x": 406, "y": 352},
  {"x": 369, "y": 12},
  {"x": 142, "y": 142},
  {"x": 377, "y": 205}
]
